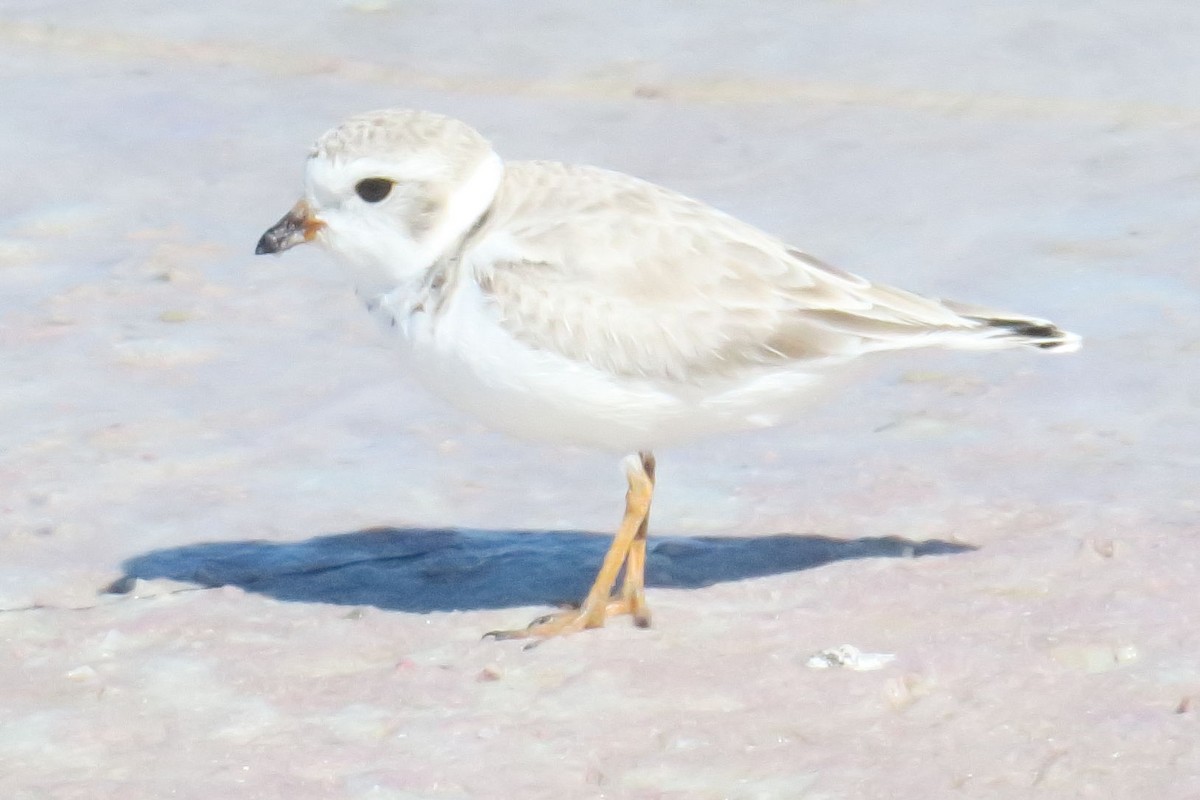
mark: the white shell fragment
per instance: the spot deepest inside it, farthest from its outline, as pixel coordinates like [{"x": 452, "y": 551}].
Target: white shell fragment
[{"x": 850, "y": 657}]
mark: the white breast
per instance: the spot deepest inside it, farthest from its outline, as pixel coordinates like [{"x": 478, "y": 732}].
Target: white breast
[{"x": 458, "y": 349}]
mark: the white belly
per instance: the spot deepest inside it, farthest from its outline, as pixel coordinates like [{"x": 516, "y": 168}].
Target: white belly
[{"x": 462, "y": 353}]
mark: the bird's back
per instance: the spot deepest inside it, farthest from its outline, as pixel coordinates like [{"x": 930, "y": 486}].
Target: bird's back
[{"x": 640, "y": 281}]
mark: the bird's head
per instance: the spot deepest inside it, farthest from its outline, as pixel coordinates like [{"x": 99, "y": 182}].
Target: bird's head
[{"x": 389, "y": 192}]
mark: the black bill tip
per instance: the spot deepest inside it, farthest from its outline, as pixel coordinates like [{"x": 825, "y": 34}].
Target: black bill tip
[
  {"x": 266, "y": 244},
  {"x": 296, "y": 227}
]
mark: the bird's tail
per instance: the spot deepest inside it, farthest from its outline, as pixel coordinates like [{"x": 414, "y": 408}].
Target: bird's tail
[{"x": 1001, "y": 329}]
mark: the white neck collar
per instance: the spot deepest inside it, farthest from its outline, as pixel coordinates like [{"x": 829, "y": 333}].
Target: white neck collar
[{"x": 464, "y": 207}]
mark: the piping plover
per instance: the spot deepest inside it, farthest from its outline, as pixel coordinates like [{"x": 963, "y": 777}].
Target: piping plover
[{"x": 577, "y": 305}]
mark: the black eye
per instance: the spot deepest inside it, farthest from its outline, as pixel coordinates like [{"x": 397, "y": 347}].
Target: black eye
[{"x": 373, "y": 189}]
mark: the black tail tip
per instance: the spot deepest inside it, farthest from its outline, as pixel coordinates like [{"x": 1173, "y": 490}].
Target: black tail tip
[{"x": 1037, "y": 333}]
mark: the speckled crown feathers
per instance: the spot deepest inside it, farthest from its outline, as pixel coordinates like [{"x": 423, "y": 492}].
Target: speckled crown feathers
[{"x": 388, "y": 132}]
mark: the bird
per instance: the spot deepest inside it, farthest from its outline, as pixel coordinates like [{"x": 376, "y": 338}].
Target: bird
[{"x": 576, "y": 305}]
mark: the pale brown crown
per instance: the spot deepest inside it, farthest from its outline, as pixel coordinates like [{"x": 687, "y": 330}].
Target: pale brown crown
[{"x": 386, "y": 133}]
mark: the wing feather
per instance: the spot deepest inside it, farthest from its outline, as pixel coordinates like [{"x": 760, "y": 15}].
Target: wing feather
[{"x": 660, "y": 286}]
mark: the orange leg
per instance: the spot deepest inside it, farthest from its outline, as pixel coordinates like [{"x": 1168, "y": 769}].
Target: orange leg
[
  {"x": 629, "y": 549},
  {"x": 633, "y": 585}
]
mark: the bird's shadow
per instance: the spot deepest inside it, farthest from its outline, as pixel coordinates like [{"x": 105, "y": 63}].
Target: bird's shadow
[{"x": 422, "y": 570}]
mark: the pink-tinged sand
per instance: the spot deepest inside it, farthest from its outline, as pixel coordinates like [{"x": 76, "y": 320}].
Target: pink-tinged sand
[{"x": 310, "y": 548}]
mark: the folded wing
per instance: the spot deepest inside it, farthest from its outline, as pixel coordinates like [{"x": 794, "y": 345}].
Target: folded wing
[{"x": 637, "y": 280}]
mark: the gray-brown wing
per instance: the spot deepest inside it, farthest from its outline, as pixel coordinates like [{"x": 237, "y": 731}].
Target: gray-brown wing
[{"x": 637, "y": 280}]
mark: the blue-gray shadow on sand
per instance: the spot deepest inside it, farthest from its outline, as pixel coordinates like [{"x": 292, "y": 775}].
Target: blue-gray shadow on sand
[{"x": 421, "y": 570}]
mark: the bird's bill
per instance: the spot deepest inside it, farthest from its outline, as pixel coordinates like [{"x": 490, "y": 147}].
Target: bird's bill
[{"x": 297, "y": 227}]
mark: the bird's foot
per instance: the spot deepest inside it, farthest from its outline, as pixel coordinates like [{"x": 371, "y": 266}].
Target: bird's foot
[{"x": 573, "y": 620}]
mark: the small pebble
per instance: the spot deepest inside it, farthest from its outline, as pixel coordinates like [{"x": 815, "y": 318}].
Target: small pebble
[
  {"x": 489, "y": 673},
  {"x": 175, "y": 315},
  {"x": 902, "y": 692},
  {"x": 1104, "y": 548},
  {"x": 122, "y": 585},
  {"x": 82, "y": 674}
]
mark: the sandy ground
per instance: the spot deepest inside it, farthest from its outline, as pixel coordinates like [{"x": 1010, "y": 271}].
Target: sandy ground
[{"x": 309, "y": 548}]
